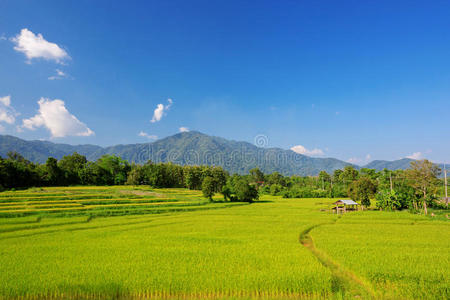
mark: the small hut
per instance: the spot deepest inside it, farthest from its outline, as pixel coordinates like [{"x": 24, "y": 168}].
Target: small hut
[{"x": 345, "y": 205}]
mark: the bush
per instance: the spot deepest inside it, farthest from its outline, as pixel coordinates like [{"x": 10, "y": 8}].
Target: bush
[
  {"x": 304, "y": 192},
  {"x": 275, "y": 189},
  {"x": 245, "y": 192}
]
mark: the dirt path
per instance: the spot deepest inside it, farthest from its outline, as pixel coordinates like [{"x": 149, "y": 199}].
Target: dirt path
[{"x": 344, "y": 283}]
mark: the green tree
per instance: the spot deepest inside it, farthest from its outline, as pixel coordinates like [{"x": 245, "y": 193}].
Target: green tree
[
  {"x": 362, "y": 190},
  {"x": 71, "y": 165},
  {"x": 208, "y": 187},
  {"x": 257, "y": 176},
  {"x": 324, "y": 179},
  {"x": 337, "y": 176},
  {"x": 226, "y": 192},
  {"x": 136, "y": 176},
  {"x": 116, "y": 168},
  {"x": 423, "y": 177},
  {"x": 349, "y": 175},
  {"x": 54, "y": 173},
  {"x": 245, "y": 192}
]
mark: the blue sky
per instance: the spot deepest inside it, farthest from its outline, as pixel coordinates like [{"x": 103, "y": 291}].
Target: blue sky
[{"x": 355, "y": 80}]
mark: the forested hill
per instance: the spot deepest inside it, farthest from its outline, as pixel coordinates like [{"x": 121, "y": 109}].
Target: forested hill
[
  {"x": 400, "y": 164},
  {"x": 184, "y": 148},
  {"x": 190, "y": 148}
]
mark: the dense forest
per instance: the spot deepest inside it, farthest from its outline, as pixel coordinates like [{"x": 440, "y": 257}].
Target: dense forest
[{"x": 416, "y": 188}]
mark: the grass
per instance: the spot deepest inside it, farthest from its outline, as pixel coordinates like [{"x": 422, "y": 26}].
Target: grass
[
  {"x": 275, "y": 248},
  {"x": 403, "y": 256}
]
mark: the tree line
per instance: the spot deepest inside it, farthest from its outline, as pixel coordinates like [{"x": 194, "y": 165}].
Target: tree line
[
  {"x": 416, "y": 188},
  {"x": 18, "y": 172}
]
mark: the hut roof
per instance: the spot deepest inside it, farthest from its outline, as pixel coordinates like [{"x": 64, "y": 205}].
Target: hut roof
[{"x": 346, "y": 202}]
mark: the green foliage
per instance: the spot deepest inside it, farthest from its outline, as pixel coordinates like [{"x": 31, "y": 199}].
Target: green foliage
[
  {"x": 349, "y": 174},
  {"x": 362, "y": 190},
  {"x": 208, "y": 187},
  {"x": 423, "y": 178},
  {"x": 399, "y": 198},
  {"x": 71, "y": 166},
  {"x": 275, "y": 189},
  {"x": 187, "y": 148},
  {"x": 304, "y": 192},
  {"x": 245, "y": 192},
  {"x": 75, "y": 169}
]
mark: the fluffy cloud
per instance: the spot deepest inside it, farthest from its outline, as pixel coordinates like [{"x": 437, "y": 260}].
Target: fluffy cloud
[
  {"x": 6, "y": 101},
  {"x": 354, "y": 160},
  {"x": 160, "y": 110},
  {"x": 360, "y": 161},
  {"x": 415, "y": 155},
  {"x": 54, "y": 116},
  {"x": 302, "y": 150},
  {"x": 35, "y": 46},
  {"x": 7, "y": 113},
  {"x": 150, "y": 137},
  {"x": 59, "y": 75},
  {"x": 184, "y": 129}
]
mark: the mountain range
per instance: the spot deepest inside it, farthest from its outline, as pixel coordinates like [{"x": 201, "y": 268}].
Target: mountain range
[{"x": 190, "y": 148}]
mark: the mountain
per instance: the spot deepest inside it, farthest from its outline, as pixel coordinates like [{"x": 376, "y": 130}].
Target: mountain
[
  {"x": 186, "y": 148},
  {"x": 190, "y": 148},
  {"x": 400, "y": 164},
  {"x": 39, "y": 151}
]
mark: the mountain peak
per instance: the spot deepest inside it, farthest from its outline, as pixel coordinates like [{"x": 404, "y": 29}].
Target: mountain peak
[{"x": 185, "y": 148}]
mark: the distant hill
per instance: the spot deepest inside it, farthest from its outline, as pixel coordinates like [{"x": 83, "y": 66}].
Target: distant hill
[
  {"x": 39, "y": 151},
  {"x": 400, "y": 164},
  {"x": 190, "y": 148},
  {"x": 187, "y": 148}
]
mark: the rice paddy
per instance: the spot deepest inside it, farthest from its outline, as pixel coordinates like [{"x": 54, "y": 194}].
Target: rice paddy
[{"x": 138, "y": 242}]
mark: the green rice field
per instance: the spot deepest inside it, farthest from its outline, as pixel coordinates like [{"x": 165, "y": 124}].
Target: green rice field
[{"x": 137, "y": 242}]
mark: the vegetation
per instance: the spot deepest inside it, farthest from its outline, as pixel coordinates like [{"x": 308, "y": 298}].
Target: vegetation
[
  {"x": 363, "y": 189},
  {"x": 101, "y": 201},
  {"x": 243, "y": 251},
  {"x": 415, "y": 189},
  {"x": 187, "y": 148}
]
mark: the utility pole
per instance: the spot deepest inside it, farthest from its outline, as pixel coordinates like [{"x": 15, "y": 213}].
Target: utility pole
[
  {"x": 445, "y": 185},
  {"x": 390, "y": 179}
]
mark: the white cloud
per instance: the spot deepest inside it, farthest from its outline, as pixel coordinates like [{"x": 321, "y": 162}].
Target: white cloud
[
  {"x": 160, "y": 110},
  {"x": 415, "y": 155},
  {"x": 360, "y": 161},
  {"x": 7, "y": 112},
  {"x": 145, "y": 134},
  {"x": 59, "y": 75},
  {"x": 302, "y": 150},
  {"x": 354, "y": 160},
  {"x": 35, "y": 46},
  {"x": 2, "y": 128},
  {"x": 184, "y": 129},
  {"x": 2, "y": 37},
  {"x": 54, "y": 116},
  {"x": 6, "y": 100}
]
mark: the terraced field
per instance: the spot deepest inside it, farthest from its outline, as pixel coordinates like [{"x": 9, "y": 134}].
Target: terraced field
[
  {"x": 101, "y": 201},
  {"x": 189, "y": 248}
]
